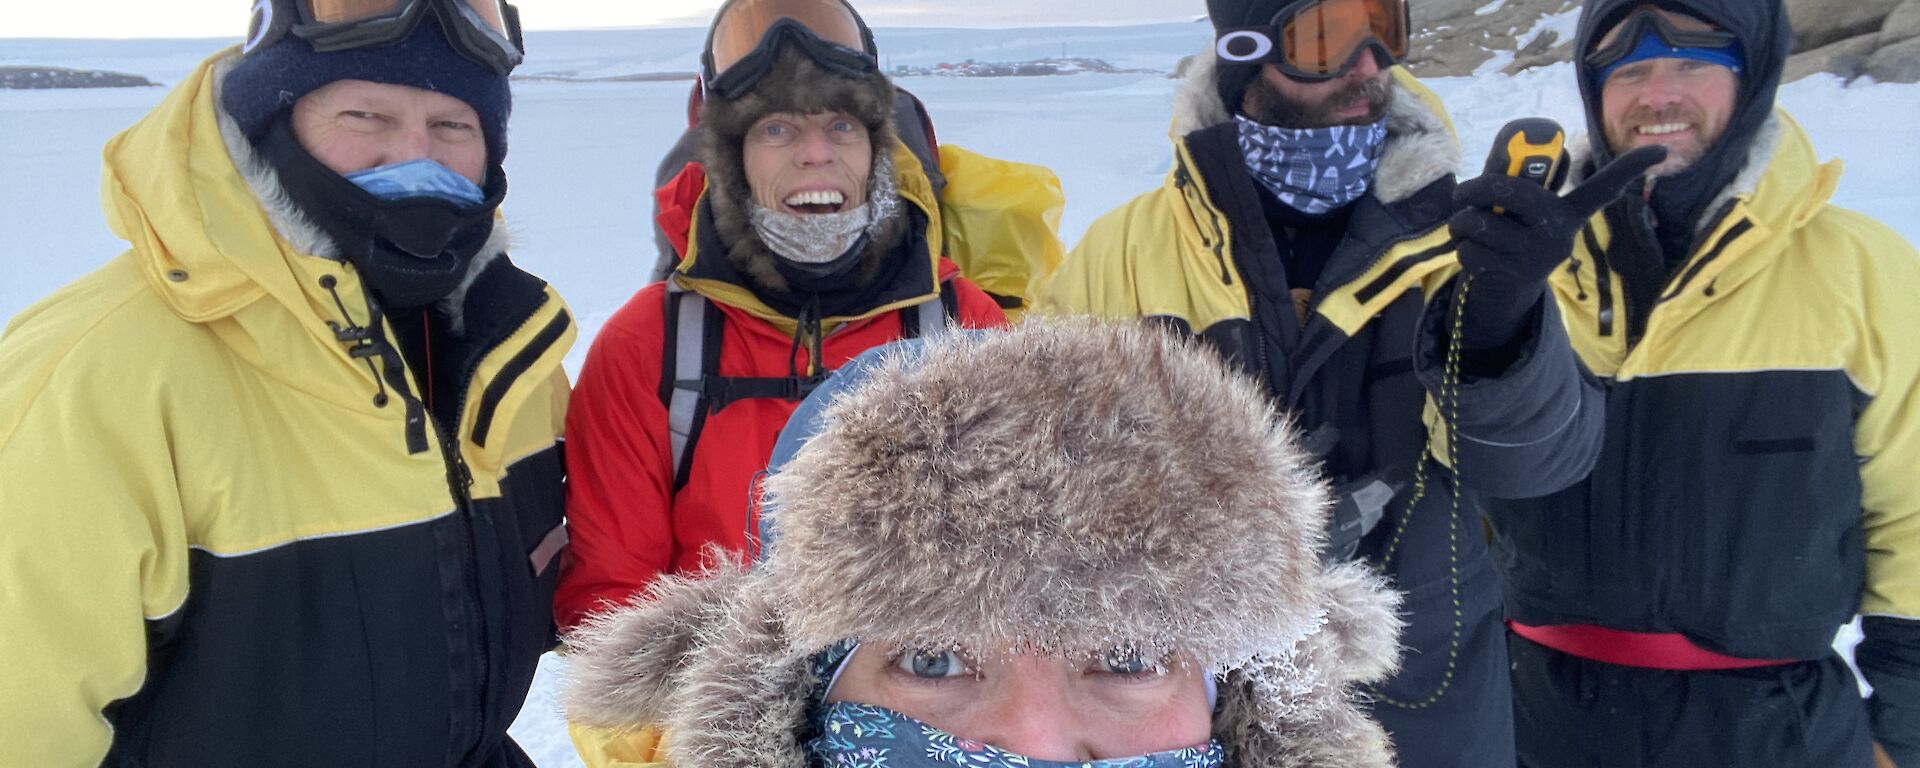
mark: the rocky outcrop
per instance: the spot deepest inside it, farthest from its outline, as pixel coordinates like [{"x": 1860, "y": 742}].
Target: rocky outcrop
[
  {"x": 58, "y": 77},
  {"x": 1879, "y": 39}
]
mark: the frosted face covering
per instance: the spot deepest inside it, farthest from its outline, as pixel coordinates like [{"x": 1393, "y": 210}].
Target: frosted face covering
[
  {"x": 1319, "y": 40},
  {"x": 747, "y": 34},
  {"x": 1677, "y": 29},
  {"x": 488, "y": 31}
]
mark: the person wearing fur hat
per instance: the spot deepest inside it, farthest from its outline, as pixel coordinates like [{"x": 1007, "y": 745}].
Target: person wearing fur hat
[
  {"x": 1304, "y": 231},
  {"x": 1758, "y": 489},
  {"x": 281, "y": 484},
  {"x": 815, "y": 240},
  {"x": 1068, "y": 544}
]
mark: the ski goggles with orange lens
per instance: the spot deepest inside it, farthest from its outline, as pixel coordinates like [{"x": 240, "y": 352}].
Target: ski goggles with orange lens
[
  {"x": 747, "y": 37},
  {"x": 1320, "y": 40},
  {"x": 487, "y": 31},
  {"x": 1677, "y": 29}
]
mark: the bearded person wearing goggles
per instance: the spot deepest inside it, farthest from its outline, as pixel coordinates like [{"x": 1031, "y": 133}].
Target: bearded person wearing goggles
[
  {"x": 815, "y": 236},
  {"x": 1304, "y": 232},
  {"x": 281, "y": 483},
  {"x": 1758, "y": 486}
]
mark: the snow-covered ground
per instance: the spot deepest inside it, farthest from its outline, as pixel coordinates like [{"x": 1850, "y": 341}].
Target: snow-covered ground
[{"x": 583, "y": 154}]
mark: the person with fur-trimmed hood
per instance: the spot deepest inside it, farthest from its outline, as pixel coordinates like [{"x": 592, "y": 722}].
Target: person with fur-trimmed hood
[
  {"x": 1760, "y": 481},
  {"x": 817, "y": 238},
  {"x": 1069, "y": 544},
  {"x": 281, "y": 484},
  {"x": 1304, "y": 231}
]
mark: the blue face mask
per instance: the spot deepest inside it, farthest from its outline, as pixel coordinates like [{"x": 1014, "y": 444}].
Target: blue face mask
[
  {"x": 865, "y": 736},
  {"x": 418, "y": 178}
]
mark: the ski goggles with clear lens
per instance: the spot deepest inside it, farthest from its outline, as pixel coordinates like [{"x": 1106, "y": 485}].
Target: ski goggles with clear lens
[
  {"x": 1321, "y": 40},
  {"x": 487, "y": 31},
  {"x": 747, "y": 37},
  {"x": 1677, "y": 29}
]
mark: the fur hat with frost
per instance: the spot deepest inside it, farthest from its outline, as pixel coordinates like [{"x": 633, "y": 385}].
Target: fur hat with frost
[{"x": 1068, "y": 486}]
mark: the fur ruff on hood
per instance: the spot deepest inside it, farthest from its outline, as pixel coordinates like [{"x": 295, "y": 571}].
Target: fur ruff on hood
[
  {"x": 1766, "y": 143},
  {"x": 1421, "y": 147},
  {"x": 300, "y": 231},
  {"x": 1067, "y": 486},
  {"x": 795, "y": 85}
]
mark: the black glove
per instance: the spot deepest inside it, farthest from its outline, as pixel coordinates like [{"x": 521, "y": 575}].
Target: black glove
[{"x": 1511, "y": 253}]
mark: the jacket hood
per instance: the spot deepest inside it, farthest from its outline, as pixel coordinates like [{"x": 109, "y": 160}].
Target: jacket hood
[
  {"x": 1067, "y": 486},
  {"x": 795, "y": 85},
  {"x": 1766, "y": 37},
  {"x": 1421, "y": 145},
  {"x": 1779, "y": 181},
  {"x": 208, "y": 221},
  {"x": 712, "y": 269}
]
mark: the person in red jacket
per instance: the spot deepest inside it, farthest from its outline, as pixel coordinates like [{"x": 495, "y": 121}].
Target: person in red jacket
[{"x": 817, "y": 238}]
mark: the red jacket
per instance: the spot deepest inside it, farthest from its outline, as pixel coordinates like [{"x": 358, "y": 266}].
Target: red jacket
[{"x": 627, "y": 525}]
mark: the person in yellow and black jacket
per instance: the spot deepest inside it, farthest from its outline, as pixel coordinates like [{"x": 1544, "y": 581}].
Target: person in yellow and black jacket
[
  {"x": 1304, "y": 232},
  {"x": 281, "y": 484},
  {"x": 1760, "y": 480}
]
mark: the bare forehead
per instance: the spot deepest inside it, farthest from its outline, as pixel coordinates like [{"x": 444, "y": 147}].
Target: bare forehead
[
  {"x": 817, "y": 118},
  {"x": 385, "y": 97}
]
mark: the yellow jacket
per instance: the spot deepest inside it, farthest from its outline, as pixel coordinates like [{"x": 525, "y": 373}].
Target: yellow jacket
[
  {"x": 218, "y": 517},
  {"x": 1760, "y": 481}
]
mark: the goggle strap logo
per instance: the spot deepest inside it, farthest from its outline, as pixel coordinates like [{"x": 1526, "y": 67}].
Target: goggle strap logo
[
  {"x": 261, "y": 24},
  {"x": 1241, "y": 46}
]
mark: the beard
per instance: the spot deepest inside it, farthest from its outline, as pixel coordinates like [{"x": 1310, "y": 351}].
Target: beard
[
  {"x": 1271, "y": 107},
  {"x": 1622, "y": 138}
]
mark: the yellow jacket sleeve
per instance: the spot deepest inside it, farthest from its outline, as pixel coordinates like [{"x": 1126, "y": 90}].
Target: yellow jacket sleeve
[
  {"x": 1002, "y": 222},
  {"x": 92, "y": 550},
  {"x": 623, "y": 748},
  {"x": 1887, "y": 435}
]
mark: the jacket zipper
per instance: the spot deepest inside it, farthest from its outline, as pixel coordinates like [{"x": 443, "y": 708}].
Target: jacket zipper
[{"x": 1182, "y": 180}]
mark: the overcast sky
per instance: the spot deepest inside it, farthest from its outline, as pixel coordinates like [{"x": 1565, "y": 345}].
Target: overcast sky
[{"x": 228, "y": 18}]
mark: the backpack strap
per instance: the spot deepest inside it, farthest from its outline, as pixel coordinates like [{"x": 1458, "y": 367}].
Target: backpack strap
[
  {"x": 693, "y": 333},
  {"x": 931, "y": 319}
]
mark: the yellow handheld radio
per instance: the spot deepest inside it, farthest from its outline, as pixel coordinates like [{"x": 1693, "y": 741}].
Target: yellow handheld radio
[{"x": 1531, "y": 148}]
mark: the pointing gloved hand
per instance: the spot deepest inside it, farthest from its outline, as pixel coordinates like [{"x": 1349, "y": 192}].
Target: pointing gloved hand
[{"x": 1510, "y": 253}]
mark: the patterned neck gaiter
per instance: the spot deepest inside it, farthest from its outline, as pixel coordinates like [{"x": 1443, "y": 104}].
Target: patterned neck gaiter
[
  {"x": 1313, "y": 170},
  {"x": 865, "y": 736}
]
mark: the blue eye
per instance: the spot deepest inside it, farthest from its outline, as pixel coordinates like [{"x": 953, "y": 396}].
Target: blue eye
[
  {"x": 1121, "y": 661},
  {"x": 843, "y": 126},
  {"x": 933, "y": 664}
]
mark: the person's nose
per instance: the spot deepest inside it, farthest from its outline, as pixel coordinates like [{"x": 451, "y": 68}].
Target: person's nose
[
  {"x": 411, "y": 142},
  {"x": 814, "y": 149},
  {"x": 1366, "y": 66},
  {"x": 1034, "y": 715},
  {"x": 1661, "y": 89}
]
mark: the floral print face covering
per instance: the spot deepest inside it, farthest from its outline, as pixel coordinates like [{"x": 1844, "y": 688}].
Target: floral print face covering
[{"x": 866, "y": 736}]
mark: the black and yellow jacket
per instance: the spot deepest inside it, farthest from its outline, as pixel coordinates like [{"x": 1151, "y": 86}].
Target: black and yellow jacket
[
  {"x": 230, "y": 532},
  {"x": 1198, "y": 255},
  {"x": 1760, "y": 482}
]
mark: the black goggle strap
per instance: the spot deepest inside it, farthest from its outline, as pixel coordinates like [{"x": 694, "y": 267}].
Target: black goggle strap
[
  {"x": 749, "y": 70},
  {"x": 274, "y": 20}
]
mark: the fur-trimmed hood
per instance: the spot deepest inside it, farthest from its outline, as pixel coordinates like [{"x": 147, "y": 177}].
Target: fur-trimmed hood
[
  {"x": 300, "y": 232},
  {"x": 1780, "y": 178},
  {"x": 1067, "y": 486},
  {"x": 1421, "y": 145},
  {"x": 794, "y": 85}
]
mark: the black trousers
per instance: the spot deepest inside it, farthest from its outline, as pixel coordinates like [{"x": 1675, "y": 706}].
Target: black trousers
[{"x": 1570, "y": 712}]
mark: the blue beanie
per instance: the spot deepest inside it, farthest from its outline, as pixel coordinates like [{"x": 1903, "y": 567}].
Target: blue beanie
[
  {"x": 269, "y": 80},
  {"x": 1653, "y": 46}
]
